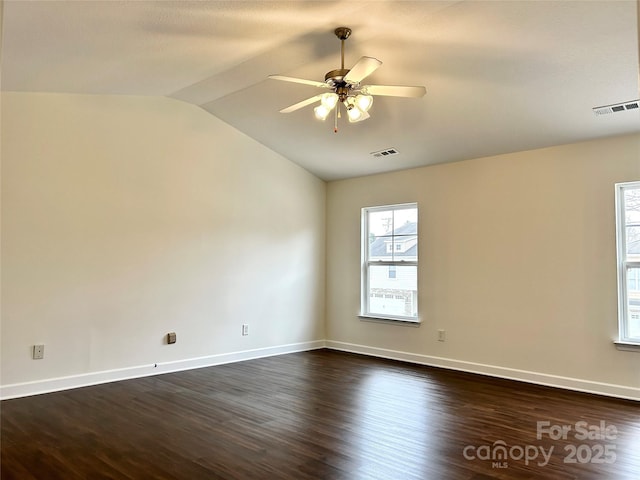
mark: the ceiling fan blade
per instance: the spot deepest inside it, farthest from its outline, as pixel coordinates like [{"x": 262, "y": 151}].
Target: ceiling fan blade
[
  {"x": 313, "y": 83},
  {"x": 301, "y": 104},
  {"x": 362, "y": 69},
  {"x": 394, "y": 90}
]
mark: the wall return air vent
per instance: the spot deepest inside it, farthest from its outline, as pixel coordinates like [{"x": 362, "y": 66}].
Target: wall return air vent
[
  {"x": 385, "y": 153},
  {"x": 617, "y": 107}
]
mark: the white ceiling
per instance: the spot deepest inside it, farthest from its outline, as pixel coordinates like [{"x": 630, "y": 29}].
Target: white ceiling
[{"x": 500, "y": 76}]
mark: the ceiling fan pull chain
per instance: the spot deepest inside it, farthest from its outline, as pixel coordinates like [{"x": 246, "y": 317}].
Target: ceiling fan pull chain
[{"x": 335, "y": 123}]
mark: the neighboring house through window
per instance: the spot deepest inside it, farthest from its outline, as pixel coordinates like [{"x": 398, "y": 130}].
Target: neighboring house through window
[
  {"x": 390, "y": 262},
  {"x": 628, "y": 238},
  {"x": 392, "y": 271}
]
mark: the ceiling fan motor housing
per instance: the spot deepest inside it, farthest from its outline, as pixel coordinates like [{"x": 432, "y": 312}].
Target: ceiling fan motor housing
[
  {"x": 343, "y": 92},
  {"x": 335, "y": 77},
  {"x": 342, "y": 32}
]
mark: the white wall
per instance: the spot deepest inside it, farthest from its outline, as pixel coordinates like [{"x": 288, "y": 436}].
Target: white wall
[
  {"x": 517, "y": 264},
  {"x": 124, "y": 218}
]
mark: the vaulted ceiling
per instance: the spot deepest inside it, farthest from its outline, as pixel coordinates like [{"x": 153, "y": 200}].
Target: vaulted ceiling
[{"x": 500, "y": 76}]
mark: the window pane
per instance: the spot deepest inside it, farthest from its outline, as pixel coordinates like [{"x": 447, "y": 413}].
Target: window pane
[
  {"x": 633, "y": 303},
  {"x": 406, "y": 245},
  {"x": 633, "y": 242},
  {"x": 634, "y": 324},
  {"x": 404, "y": 216},
  {"x": 392, "y": 271},
  {"x": 380, "y": 248},
  {"x": 631, "y": 202},
  {"x": 381, "y": 222},
  {"x": 393, "y": 296},
  {"x": 633, "y": 280},
  {"x": 393, "y": 234},
  {"x": 632, "y": 222}
]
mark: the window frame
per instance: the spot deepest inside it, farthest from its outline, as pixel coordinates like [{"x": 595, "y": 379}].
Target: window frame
[
  {"x": 624, "y": 342},
  {"x": 365, "y": 311}
]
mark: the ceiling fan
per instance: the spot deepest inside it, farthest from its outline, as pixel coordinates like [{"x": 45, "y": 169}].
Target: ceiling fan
[{"x": 344, "y": 88}]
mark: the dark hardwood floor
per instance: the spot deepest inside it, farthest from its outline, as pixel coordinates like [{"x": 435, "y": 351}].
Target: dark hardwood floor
[{"x": 318, "y": 415}]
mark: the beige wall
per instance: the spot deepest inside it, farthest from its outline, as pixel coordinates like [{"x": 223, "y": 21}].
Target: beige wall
[
  {"x": 517, "y": 263},
  {"x": 124, "y": 218}
]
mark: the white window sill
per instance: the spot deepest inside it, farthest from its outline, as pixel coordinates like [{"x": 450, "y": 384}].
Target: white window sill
[
  {"x": 627, "y": 346},
  {"x": 402, "y": 321}
]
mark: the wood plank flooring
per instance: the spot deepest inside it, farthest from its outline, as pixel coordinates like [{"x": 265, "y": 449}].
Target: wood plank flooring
[{"x": 318, "y": 415}]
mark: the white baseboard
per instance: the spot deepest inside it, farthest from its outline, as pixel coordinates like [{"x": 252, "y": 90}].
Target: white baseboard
[
  {"x": 84, "y": 380},
  {"x": 580, "y": 385}
]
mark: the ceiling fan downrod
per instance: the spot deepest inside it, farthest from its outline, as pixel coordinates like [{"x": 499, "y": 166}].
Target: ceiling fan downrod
[
  {"x": 342, "y": 33},
  {"x": 336, "y": 76}
]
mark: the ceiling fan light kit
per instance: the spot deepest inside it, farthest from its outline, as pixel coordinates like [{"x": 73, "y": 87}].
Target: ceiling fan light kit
[{"x": 346, "y": 89}]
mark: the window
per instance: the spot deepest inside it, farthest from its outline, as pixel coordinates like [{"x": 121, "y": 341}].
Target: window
[
  {"x": 392, "y": 271},
  {"x": 390, "y": 262},
  {"x": 628, "y": 237}
]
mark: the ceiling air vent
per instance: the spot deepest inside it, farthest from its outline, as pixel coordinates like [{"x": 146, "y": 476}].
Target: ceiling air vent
[
  {"x": 617, "y": 107},
  {"x": 385, "y": 153}
]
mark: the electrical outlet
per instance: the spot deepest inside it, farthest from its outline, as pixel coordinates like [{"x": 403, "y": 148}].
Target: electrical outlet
[
  {"x": 38, "y": 352},
  {"x": 442, "y": 336},
  {"x": 245, "y": 329}
]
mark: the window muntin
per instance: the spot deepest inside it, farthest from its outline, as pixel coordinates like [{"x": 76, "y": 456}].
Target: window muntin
[
  {"x": 628, "y": 236},
  {"x": 390, "y": 262}
]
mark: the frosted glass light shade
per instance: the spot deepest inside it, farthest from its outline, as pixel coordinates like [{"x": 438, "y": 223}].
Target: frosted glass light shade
[
  {"x": 321, "y": 112},
  {"x": 354, "y": 114},
  {"x": 364, "y": 102},
  {"x": 329, "y": 100},
  {"x": 357, "y": 115}
]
